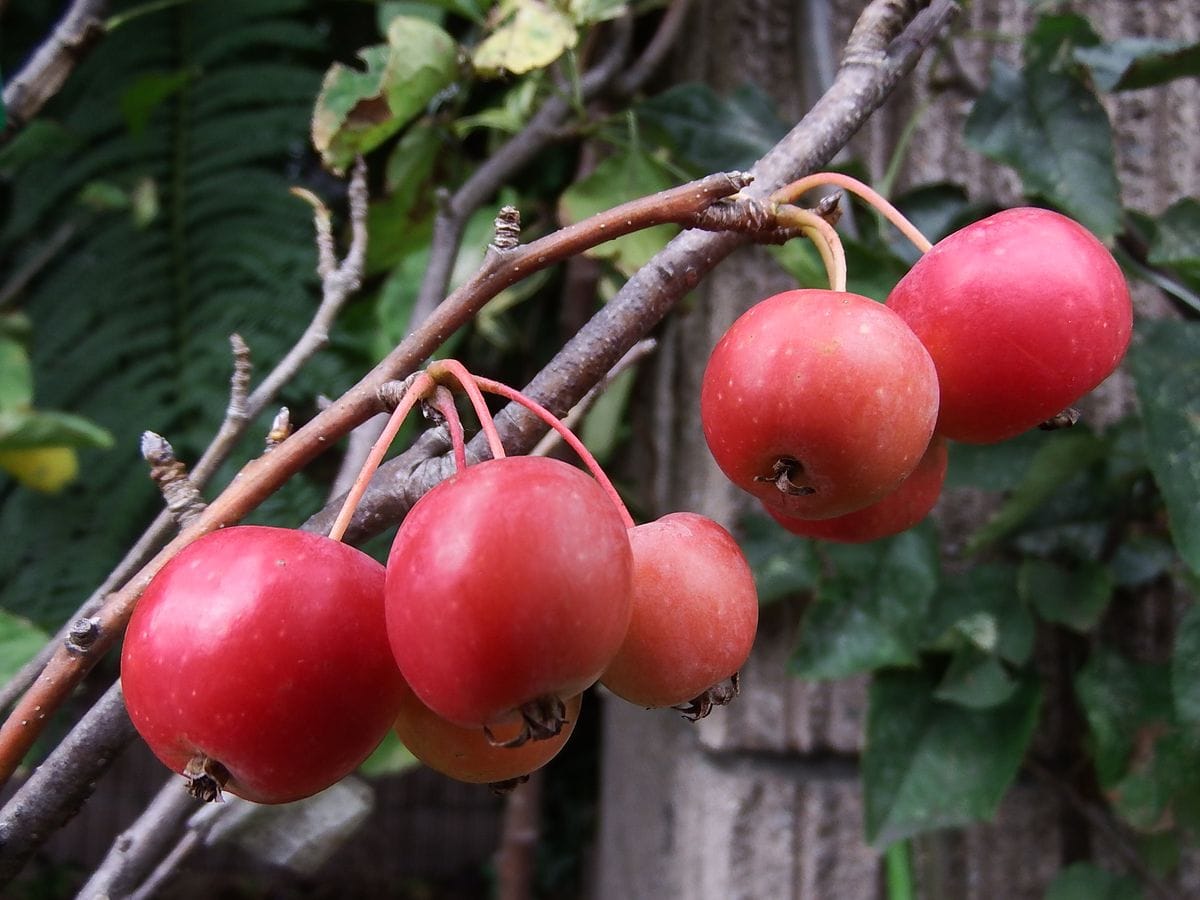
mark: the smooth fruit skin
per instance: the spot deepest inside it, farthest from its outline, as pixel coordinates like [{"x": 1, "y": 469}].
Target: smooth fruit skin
[
  {"x": 898, "y": 511},
  {"x": 265, "y": 649},
  {"x": 1023, "y": 312},
  {"x": 695, "y": 612},
  {"x": 830, "y": 379},
  {"x": 508, "y": 582},
  {"x": 466, "y": 754}
]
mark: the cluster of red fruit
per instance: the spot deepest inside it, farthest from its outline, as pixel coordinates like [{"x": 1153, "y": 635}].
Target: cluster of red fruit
[
  {"x": 834, "y": 410},
  {"x": 271, "y": 662}
]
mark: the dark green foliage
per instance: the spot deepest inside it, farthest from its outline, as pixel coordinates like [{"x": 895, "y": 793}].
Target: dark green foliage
[{"x": 204, "y": 108}]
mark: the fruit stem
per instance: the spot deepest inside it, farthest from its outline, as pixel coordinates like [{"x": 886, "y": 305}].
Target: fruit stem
[
  {"x": 422, "y": 385},
  {"x": 791, "y": 192},
  {"x": 452, "y": 368},
  {"x": 823, "y": 235},
  {"x": 568, "y": 436},
  {"x": 443, "y": 401}
]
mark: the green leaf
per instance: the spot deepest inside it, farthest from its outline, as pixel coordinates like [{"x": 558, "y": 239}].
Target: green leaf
[
  {"x": 993, "y": 467},
  {"x": 1076, "y": 597},
  {"x": 1124, "y": 703},
  {"x": 1165, "y": 360},
  {"x": 783, "y": 565},
  {"x": 1141, "y": 559},
  {"x": 709, "y": 133},
  {"x": 1185, "y": 670},
  {"x": 531, "y": 37},
  {"x": 870, "y": 612},
  {"x": 930, "y": 764},
  {"x": 981, "y": 607},
  {"x": 1060, "y": 458},
  {"x": 26, "y": 429},
  {"x": 20, "y": 640},
  {"x": 41, "y": 139},
  {"x": 1176, "y": 242},
  {"x": 976, "y": 680},
  {"x": 433, "y": 10},
  {"x": 617, "y": 179},
  {"x": 586, "y": 12},
  {"x": 1084, "y": 881},
  {"x": 1132, "y": 63},
  {"x": 390, "y": 758},
  {"x": 1050, "y": 128},
  {"x": 606, "y": 424},
  {"x": 16, "y": 377},
  {"x": 148, "y": 93},
  {"x": 410, "y": 164},
  {"x": 356, "y": 111}
]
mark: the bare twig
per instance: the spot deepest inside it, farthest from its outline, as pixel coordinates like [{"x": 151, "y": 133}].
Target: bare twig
[
  {"x": 636, "y": 354},
  {"x": 139, "y": 847},
  {"x": 46, "y": 71},
  {"x": 45, "y": 255},
  {"x": 59, "y": 787},
  {"x": 669, "y": 29}
]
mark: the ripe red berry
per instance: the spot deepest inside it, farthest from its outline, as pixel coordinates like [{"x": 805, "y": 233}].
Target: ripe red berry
[
  {"x": 898, "y": 511},
  {"x": 259, "y": 656},
  {"x": 1023, "y": 312},
  {"x": 507, "y": 584},
  {"x": 818, "y": 402},
  {"x": 695, "y": 612},
  {"x": 468, "y": 754}
]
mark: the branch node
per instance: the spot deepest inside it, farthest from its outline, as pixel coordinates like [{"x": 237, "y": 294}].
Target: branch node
[
  {"x": 281, "y": 429},
  {"x": 390, "y": 393},
  {"x": 181, "y": 495},
  {"x": 83, "y": 634},
  {"x": 829, "y": 208},
  {"x": 508, "y": 229}
]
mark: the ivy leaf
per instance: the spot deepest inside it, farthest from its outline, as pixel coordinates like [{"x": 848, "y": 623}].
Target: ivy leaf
[
  {"x": 615, "y": 180},
  {"x": 1075, "y": 597},
  {"x": 993, "y": 467},
  {"x": 20, "y": 640},
  {"x": 147, "y": 93},
  {"x": 531, "y": 37},
  {"x": 783, "y": 565},
  {"x": 981, "y": 607},
  {"x": 1132, "y": 63},
  {"x": 710, "y": 133},
  {"x": 1084, "y": 881},
  {"x": 1185, "y": 670},
  {"x": 929, "y": 764},
  {"x": 356, "y": 111},
  {"x": 1060, "y": 458},
  {"x": 1048, "y": 126},
  {"x": 871, "y": 611},
  {"x": 1165, "y": 360},
  {"x": 1147, "y": 764},
  {"x": 1176, "y": 242},
  {"x": 976, "y": 680}
]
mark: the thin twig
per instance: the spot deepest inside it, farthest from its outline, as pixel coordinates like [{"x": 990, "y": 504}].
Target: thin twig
[
  {"x": 636, "y": 354},
  {"x": 139, "y": 847},
  {"x": 670, "y": 27},
  {"x": 44, "y": 74}
]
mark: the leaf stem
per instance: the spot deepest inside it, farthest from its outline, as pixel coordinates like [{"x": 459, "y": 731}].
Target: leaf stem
[
  {"x": 789, "y": 193},
  {"x": 421, "y": 385},
  {"x": 568, "y": 436},
  {"x": 899, "y": 872}
]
